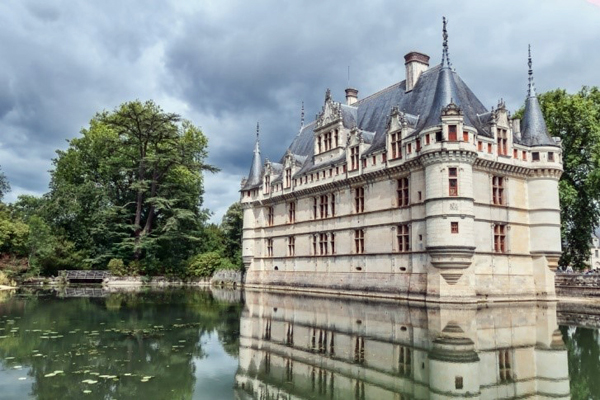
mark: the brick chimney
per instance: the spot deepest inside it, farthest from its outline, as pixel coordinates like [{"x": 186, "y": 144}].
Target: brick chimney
[
  {"x": 351, "y": 96},
  {"x": 416, "y": 63}
]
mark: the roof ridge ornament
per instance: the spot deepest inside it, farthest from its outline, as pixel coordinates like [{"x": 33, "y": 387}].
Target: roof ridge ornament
[
  {"x": 445, "y": 52},
  {"x": 531, "y": 85}
]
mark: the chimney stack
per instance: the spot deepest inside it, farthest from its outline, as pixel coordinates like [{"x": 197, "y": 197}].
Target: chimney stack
[
  {"x": 351, "y": 96},
  {"x": 416, "y": 63}
]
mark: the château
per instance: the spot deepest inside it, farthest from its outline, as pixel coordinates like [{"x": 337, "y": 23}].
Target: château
[{"x": 417, "y": 191}]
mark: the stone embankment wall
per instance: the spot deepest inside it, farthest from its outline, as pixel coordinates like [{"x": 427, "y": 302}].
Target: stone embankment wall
[
  {"x": 227, "y": 277},
  {"x": 577, "y": 285},
  {"x": 158, "y": 281}
]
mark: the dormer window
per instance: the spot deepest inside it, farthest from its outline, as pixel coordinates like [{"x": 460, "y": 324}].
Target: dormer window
[
  {"x": 267, "y": 183},
  {"x": 288, "y": 177},
  {"x": 336, "y": 137},
  {"x": 354, "y": 158},
  {"x": 396, "y": 145},
  {"x": 452, "y": 135},
  {"x": 502, "y": 142}
]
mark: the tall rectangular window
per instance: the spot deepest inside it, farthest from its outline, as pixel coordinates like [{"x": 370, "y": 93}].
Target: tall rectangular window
[
  {"x": 384, "y": 157},
  {"x": 438, "y": 136},
  {"x": 418, "y": 145},
  {"x": 270, "y": 216},
  {"x": 453, "y": 181},
  {"x": 359, "y": 199},
  {"x": 427, "y": 139},
  {"x": 359, "y": 241},
  {"x": 288, "y": 177},
  {"x": 323, "y": 244},
  {"x": 324, "y": 206},
  {"x": 489, "y": 148},
  {"x": 502, "y": 142},
  {"x": 354, "y": 158},
  {"x": 267, "y": 184},
  {"x": 504, "y": 366},
  {"x": 319, "y": 145},
  {"x": 314, "y": 245},
  {"x": 452, "y": 135},
  {"x": 403, "y": 192},
  {"x": 315, "y": 207},
  {"x": 465, "y": 136},
  {"x": 498, "y": 190},
  {"x": 291, "y": 246},
  {"x": 269, "y": 247},
  {"x": 337, "y": 138},
  {"x": 396, "y": 145},
  {"x": 403, "y": 236},
  {"x": 479, "y": 145},
  {"x": 515, "y": 153},
  {"x": 292, "y": 212},
  {"x": 524, "y": 155},
  {"x": 332, "y": 199},
  {"x": 499, "y": 238},
  {"x": 405, "y": 361},
  {"x": 332, "y": 242}
]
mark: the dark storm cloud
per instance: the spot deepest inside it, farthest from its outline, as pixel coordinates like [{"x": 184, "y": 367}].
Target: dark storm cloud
[{"x": 227, "y": 64}]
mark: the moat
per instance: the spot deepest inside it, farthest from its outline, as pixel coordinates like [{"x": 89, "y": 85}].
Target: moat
[{"x": 227, "y": 344}]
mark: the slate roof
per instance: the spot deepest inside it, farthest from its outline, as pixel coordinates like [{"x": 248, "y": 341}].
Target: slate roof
[
  {"x": 256, "y": 169},
  {"x": 436, "y": 87}
]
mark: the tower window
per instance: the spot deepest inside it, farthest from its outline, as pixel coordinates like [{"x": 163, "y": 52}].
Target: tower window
[
  {"x": 498, "y": 190},
  {"x": 535, "y": 156},
  {"x": 291, "y": 246},
  {"x": 438, "y": 136},
  {"x": 479, "y": 146},
  {"x": 550, "y": 156},
  {"x": 453, "y": 227},
  {"x": 504, "y": 366},
  {"x": 452, "y": 136},
  {"x": 270, "y": 216},
  {"x": 465, "y": 136},
  {"x": 453, "y": 181},
  {"x": 269, "y": 247}
]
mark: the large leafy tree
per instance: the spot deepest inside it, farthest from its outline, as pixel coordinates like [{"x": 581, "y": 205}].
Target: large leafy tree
[
  {"x": 4, "y": 185},
  {"x": 131, "y": 186},
  {"x": 232, "y": 225},
  {"x": 575, "y": 118}
]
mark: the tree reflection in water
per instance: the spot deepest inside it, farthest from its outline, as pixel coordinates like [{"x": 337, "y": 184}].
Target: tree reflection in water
[{"x": 122, "y": 346}]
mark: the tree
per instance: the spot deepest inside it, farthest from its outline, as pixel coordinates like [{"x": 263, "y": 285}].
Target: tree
[
  {"x": 575, "y": 118},
  {"x": 131, "y": 187},
  {"x": 4, "y": 185},
  {"x": 232, "y": 225}
]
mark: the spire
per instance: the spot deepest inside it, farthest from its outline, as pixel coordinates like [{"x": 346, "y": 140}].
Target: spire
[
  {"x": 255, "y": 175},
  {"x": 445, "y": 52},
  {"x": 531, "y": 86},
  {"x": 533, "y": 126}
]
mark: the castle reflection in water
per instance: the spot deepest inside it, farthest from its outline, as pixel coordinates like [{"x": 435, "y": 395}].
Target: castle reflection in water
[{"x": 299, "y": 347}]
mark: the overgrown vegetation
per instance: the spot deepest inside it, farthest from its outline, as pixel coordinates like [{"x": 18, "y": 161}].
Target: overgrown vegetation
[{"x": 126, "y": 195}]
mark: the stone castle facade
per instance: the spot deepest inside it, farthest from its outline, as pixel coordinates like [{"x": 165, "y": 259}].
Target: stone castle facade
[{"x": 417, "y": 191}]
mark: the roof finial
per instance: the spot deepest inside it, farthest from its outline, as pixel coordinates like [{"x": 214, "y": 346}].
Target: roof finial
[
  {"x": 257, "y": 132},
  {"x": 302, "y": 116},
  {"x": 445, "y": 53},
  {"x": 531, "y": 86},
  {"x": 327, "y": 94}
]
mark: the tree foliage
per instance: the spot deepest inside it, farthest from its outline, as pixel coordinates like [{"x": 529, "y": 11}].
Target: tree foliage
[
  {"x": 4, "y": 185},
  {"x": 131, "y": 187},
  {"x": 575, "y": 118}
]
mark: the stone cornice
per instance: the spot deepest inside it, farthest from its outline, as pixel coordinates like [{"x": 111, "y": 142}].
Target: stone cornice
[{"x": 446, "y": 155}]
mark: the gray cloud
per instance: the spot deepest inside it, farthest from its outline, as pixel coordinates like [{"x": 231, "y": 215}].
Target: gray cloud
[{"x": 227, "y": 64}]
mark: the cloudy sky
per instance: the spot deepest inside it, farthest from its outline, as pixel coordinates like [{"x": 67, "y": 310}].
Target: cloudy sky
[{"x": 227, "y": 64}]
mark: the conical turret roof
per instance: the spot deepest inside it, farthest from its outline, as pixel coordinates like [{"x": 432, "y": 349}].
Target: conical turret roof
[
  {"x": 255, "y": 175},
  {"x": 533, "y": 126}
]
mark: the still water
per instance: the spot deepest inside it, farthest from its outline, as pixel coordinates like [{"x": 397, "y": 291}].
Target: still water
[{"x": 220, "y": 344}]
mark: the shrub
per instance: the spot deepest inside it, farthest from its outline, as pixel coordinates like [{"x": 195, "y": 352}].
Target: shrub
[
  {"x": 116, "y": 266},
  {"x": 205, "y": 264}
]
